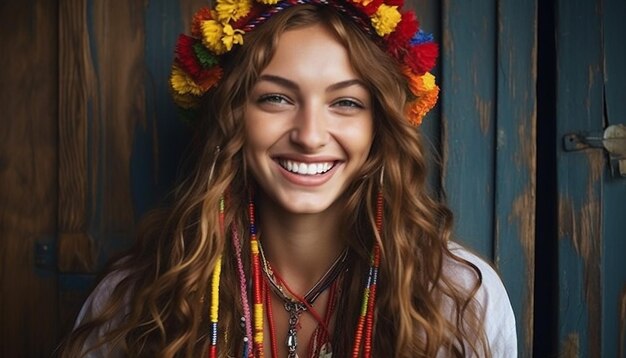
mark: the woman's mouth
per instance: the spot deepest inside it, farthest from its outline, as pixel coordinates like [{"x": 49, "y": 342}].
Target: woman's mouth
[{"x": 303, "y": 168}]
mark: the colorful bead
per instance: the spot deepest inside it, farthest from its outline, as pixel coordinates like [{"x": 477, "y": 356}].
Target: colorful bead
[
  {"x": 257, "y": 282},
  {"x": 365, "y": 325},
  {"x": 215, "y": 291},
  {"x": 243, "y": 288}
]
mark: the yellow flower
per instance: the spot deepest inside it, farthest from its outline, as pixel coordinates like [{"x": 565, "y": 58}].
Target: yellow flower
[
  {"x": 428, "y": 80},
  {"x": 419, "y": 84},
  {"x": 386, "y": 19},
  {"x": 182, "y": 84},
  {"x": 212, "y": 33},
  {"x": 231, "y": 37},
  {"x": 268, "y": 2},
  {"x": 228, "y": 10}
]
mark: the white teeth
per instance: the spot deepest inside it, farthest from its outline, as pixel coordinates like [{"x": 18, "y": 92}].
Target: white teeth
[{"x": 306, "y": 168}]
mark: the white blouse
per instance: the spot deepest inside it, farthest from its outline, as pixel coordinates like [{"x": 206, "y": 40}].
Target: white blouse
[{"x": 491, "y": 297}]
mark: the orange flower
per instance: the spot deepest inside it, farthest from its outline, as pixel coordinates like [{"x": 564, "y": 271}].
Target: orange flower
[{"x": 417, "y": 109}]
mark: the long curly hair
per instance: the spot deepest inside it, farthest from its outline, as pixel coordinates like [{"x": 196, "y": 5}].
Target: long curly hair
[{"x": 160, "y": 306}]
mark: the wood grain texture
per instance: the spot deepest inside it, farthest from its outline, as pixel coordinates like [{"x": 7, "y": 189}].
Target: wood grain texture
[
  {"x": 28, "y": 167},
  {"x": 117, "y": 39},
  {"x": 103, "y": 100},
  {"x": 614, "y": 190},
  {"x": 468, "y": 100},
  {"x": 580, "y": 175},
  {"x": 516, "y": 165},
  {"x": 77, "y": 98}
]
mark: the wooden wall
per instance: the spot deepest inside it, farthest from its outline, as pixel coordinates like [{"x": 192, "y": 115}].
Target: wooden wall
[
  {"x": 28, "y": 176},
  {"x": 488, "y": 139}
]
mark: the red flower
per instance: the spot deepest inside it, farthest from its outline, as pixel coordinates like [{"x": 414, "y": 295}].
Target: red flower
[
  {"x": 422, "y": 58},
  {"x": 186, "y": 56},
  {"x": 209, "y": 78},
  {"x": 399, "y": 39},
  {"x": 201, "y": 15},
  {"x": 398, "y": 3},
  {"x": 370, "y": 8}
]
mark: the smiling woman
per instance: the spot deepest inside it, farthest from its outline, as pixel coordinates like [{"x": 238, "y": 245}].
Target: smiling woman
[
  {"x": 306, "y": 229},
  {"x": 309, "y": 124}
]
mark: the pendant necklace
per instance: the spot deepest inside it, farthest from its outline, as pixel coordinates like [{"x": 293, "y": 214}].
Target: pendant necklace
[{"x": 294, "y": 306}]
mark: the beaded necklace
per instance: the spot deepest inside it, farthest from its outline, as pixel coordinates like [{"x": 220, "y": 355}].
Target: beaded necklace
[
  {"x": 365, "y": 326},
  {"x": 295, "y": 305}
]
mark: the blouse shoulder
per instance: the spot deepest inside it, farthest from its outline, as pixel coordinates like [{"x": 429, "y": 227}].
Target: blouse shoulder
[
  {"x": 93, "y": 306},
  {"x": 492, "y": 299},
  {"x": 99, "y": 297}
]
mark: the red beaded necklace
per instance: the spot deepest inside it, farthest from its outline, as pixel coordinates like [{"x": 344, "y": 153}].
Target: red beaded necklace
[{"x": 294, "y": 304}]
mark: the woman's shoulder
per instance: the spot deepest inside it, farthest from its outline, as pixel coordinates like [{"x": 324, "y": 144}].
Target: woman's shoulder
[
  {"x": 100, "y": 296},
  {"x": 492, "y": 298}
]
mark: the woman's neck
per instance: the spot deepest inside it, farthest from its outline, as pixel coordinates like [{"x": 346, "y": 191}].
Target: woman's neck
[{"x": 301, "y": 247}]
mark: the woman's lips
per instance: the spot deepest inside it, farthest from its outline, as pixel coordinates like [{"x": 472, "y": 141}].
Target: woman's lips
[
  {"x": 311, "y": 173},
  {"x": 304, "y": 168}
]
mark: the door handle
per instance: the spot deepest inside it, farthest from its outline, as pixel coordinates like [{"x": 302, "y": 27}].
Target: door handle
[{"x": 613, "y": 140}]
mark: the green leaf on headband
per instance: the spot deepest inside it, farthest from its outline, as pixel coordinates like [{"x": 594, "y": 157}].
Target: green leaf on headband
[{"x": 206, "y": 59}]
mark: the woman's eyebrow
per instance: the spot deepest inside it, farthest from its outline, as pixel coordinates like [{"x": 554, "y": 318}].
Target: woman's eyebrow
[
  {"x": 345, "y": 84},
  {"x": 281, "y": 81},
  {"x": 294, "y": 86}
]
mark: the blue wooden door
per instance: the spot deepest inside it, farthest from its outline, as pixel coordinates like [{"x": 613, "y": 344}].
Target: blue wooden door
[
  {"x": 488, "y": 139},
  {"x": 590, "y": 96}
]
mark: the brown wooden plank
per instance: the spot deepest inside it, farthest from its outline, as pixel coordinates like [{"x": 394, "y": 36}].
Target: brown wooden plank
[
  {"x": 118, "y": 43},
  {"x": 76, "y": 98},
  {"x": 28, "y": 167}
]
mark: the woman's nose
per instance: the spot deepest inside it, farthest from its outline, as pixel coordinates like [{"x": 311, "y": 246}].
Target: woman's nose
[{"x": 310, "y": 129}]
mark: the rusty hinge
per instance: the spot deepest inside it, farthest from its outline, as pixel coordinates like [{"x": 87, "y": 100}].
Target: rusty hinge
[{"x": 613, "y": 140}]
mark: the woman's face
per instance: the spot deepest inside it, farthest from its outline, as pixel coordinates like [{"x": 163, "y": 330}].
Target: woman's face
[{"x": 308, "y": 120}]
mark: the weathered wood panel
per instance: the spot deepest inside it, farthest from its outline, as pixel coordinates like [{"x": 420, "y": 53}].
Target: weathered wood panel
[
  {"x": 77, "y": 97},
  {"x": 468, "y": 110},
  {"x": 120, "y": 137},
  {"x": 515, "y": 166},
  {"x": 580, "y": 176},
  {"x": 28, "y": 181},
  {"x": 102, "y": 100},
  {"x": 614, "y": 198},
  {"x": 489, "y": 139}
]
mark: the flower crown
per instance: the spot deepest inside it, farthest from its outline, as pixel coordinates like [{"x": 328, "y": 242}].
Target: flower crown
[{"x": 215, "y": 32}]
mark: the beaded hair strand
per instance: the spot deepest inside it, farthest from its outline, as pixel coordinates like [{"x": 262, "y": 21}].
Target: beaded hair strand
[
  {"x": 243, "y": 288},
  {"x": 365, "y": 326},
  {"x": 215, "y": 291},
  {"x": 257, "y": 282}
]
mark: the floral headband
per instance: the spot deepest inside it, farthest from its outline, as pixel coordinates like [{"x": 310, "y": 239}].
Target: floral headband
[{"x": 217, "y": 31}]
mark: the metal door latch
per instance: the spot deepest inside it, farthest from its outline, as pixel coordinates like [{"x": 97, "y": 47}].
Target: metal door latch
[{"x": 613, "y": 140}]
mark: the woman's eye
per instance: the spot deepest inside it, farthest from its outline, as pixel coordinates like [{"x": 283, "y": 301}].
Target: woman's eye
[
  {"x": 349, "y": 103},
  {"x": 274, "y": 99}
]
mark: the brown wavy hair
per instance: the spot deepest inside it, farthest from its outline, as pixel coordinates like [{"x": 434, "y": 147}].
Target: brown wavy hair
[{"x": 159, "y": 307}]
